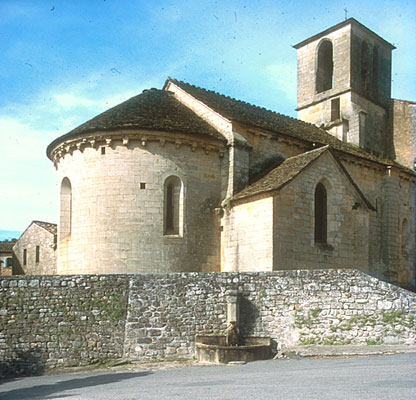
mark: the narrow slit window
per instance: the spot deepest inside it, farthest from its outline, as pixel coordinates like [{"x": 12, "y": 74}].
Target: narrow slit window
[
  {"x": 24, "y": 256},
  {"x": 65, "y": 209},
  {"x": 173, "y": 206},
  {"x": 335, "y": 109},
  {"x": 320, "y": 214},
  {"x": 37, "y": 254},
  {"x": 102, "y": 150},
  {"x": 169, "y": 210},
  {"x": 362, "y": 121}
]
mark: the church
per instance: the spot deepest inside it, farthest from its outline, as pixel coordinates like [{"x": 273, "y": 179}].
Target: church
[{"x": 185, "y": 179}]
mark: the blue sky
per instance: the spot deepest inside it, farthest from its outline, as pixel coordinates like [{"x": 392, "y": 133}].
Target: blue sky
[{"x": 63, "y": 62}]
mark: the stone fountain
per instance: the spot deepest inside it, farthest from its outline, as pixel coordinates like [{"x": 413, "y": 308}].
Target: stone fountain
[{"x": 231, "y": 347}]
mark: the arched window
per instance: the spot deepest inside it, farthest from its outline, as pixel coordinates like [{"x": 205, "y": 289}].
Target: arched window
[
  {"x": 325, "y": 67},
  {"x": 365, "y": 71},
  {"x": 173, "y": 206},
  {"x": 320, "y": 214},
  {"x": 65, "y": 209}
]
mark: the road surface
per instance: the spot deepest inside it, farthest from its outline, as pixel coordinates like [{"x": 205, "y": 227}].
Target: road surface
[{"x": 377, "y": 377}]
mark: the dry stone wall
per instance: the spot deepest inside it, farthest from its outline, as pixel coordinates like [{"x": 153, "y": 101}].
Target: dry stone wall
[
  {"x": 52, "y": 321},
  {"x": 167, "y": 311}
]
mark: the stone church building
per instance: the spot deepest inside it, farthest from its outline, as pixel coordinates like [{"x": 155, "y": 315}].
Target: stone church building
[{"x": 187, "y": 179}]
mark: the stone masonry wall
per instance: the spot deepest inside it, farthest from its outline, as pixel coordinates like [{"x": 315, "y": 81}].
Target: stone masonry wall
[
  {"x": 392, "y": 193},
  {"x": 54, "y": 321},
  {"x": 46, "y": 322},
  {"x": 118, "y": 207},
  {"x": 166, "y": 312},
  {"x": 403, "y": 115},
  {"x": 371, "y": 99},
  {"x": 294, "y": 245},
  {"x": 32, "y": 237},
  {"x": 247, "y": 238},
  {"x": 341, "y": 40}
]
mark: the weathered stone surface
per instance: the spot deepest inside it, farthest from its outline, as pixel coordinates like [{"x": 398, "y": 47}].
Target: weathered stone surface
[
  {"x": 41, "y": 261},
  {"x": 63, "y": 324},
  {"x": 156, "y": 316}
]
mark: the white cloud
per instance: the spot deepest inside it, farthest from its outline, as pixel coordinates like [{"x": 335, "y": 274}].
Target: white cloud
[
  {"x": 26, "y": 174},
  {"x": 68, "y": 100},
  {"x": 26, "y": 130}
]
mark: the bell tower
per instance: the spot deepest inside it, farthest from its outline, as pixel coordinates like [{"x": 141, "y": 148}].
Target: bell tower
[{"x": 344, "y": 84}]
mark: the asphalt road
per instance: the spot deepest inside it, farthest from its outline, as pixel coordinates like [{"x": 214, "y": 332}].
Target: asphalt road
[{"x": 377, "y": 377}]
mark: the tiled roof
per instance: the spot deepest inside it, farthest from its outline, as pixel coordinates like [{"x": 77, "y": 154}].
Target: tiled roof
[
  {"x": 349, "y": 21},
  {"x": 288, "y": 170},
  {"x": 282, "y": 174},
  {"x": 52, "y": 228},
  {"x": 248, "y": 114},
  {"x": 153, "y": 109},
  {"x": 6, "y": 247}
]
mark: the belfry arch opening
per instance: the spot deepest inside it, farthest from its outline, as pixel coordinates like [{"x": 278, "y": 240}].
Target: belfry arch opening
[
  {"x": 173, "y": 206},
  {"x": 65, "y": 221},
  {"x": 321, "y": 214},
  {"x": 325, "y": 67}
]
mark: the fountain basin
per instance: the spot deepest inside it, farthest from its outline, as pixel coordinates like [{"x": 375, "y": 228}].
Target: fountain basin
[{"x": 213, "y": 349}]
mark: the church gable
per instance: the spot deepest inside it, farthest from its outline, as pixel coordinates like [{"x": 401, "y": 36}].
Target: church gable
[
  {"x": 213, "y": 118},
  {"x": 308, "y": 210},
  {"x": 291, "y": 168},
  {"x": 34, "y": 251},
  {"x": 321, "y": 218}
]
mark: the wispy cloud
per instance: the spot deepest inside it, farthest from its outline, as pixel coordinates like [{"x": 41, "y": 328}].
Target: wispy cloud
[
  {"x": 26, "y": 173},
  {"x": 68, "y": 100},
  {"x": 27, "y": 129}
]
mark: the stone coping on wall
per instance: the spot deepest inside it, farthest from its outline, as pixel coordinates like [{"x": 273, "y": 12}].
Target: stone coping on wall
[{"x": 51, "y": 321}]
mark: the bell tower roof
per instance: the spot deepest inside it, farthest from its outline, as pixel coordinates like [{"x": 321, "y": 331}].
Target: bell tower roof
[{"x": 349, "y": 21}]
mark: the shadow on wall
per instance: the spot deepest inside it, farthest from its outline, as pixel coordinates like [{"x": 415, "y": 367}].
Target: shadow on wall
[
  {"x": 249, "y": 314},
  {"x": 24, "y": 363},
  {"x": 16, "y": 266}
]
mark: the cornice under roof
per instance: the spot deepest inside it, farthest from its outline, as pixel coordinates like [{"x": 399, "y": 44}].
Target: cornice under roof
[{"x": 151, "y": 110}]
